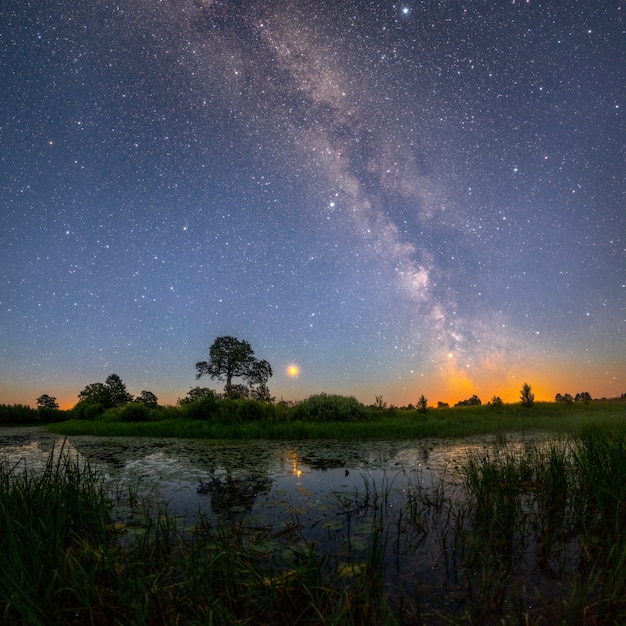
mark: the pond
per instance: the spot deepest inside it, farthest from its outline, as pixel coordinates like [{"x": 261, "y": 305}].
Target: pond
[
  {"x": 328, "y": 494},
  {"x": 193, "y": 475}
]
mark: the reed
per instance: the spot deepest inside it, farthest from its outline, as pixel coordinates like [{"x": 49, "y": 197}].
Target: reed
[
  {"x": 68, "y": 560},
  {"x": 53, "y": 529},
  {"x": 253, "y": 420},
  {"x": 544, "y": 527},
  {"x": 524, "y": 534}
]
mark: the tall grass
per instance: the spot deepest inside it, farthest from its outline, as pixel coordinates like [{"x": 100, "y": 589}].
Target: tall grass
[
  {"x": 248, "y": 420},
  {"x": 525, "y": 534},
  {"x": 52, "y": 532},
  {"x": 545, "y": 527},
  {"x": 66, "y": 560}
]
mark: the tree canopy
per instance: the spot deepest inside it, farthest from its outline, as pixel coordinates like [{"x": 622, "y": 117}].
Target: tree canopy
[
  {"x": 47, "y": 402},
  {"x": 110, "y": 394},
  {"x": 230, "y": 358},
  {"x": 147, "y": 398}
]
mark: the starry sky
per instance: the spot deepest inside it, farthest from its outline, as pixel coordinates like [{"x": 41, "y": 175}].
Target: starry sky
[{"x": 394, "y": 198}]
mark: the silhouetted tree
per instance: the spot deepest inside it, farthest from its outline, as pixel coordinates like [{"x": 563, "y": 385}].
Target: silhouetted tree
[
  {"x": 260, "y": 373},
  {"x": 197, "y": 393},
  {"x": 110, "y": 394},
  {"x": 584, "y": 396},
  {"x": 379, "y": 403},
  {"x": 147, "y": 398},
  {"x": 96, "y": 393},
  {"x": 473, "y": 401},
  {"x": 117, "y": 390},
  {"x": 422, "y": 404},
  {"x": 47, "y": 402},
  {"x": 239, "y": 392},
  {"x": 527, "y": 397},
  {"x": 230, "y": 358},
  {"x": 496, "y": 402}
]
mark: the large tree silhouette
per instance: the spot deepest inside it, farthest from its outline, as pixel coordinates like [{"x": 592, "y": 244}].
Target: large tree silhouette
[{"x": 230, "y": 358}]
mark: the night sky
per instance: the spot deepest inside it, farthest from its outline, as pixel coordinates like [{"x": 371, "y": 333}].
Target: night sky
[{"x": 397, "y": 199}]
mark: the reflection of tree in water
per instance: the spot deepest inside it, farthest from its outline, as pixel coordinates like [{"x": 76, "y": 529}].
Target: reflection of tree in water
[
  {"x": 348, "y": 456},
  {"x": 232, "y": 495},
  {"x": 322, "y": 463}
]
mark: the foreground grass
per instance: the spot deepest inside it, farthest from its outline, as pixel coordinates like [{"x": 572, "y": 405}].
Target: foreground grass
[
  {"x": 66, "y": 560},
  {"x": 528, "y": 536},
  {"x": 397, "y": 424}
]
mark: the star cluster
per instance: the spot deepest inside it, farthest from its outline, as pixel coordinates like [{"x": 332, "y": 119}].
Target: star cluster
[{"x": 400, "y": 198}]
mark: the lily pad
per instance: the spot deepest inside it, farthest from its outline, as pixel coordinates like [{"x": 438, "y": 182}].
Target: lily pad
[{"x": 350, "y": 570}]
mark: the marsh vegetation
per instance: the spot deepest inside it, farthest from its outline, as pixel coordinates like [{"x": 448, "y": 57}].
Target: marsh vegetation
[
  {"x": 330, "y": 416},
  {"x": 513, "y": 531}
]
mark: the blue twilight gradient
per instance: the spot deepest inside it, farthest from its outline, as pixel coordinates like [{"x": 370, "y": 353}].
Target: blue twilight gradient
[{"x": 426, "y": 197}]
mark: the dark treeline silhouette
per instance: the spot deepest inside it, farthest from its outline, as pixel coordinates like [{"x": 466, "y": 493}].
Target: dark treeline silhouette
[
  {"x": 238, "y": 403},
  {"x": 22, "y": 414},
  {"x": 584, "y": 396},
  {"x": 473, "y": 401}
]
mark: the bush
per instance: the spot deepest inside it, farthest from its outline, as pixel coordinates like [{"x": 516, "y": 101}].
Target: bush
[
  {"x": 495, "y": 402},
  {"x": 194, "y": 394},
  {"x": 202, "y": 409},
  {"x": 135, "y": 412},
  {"x": 48, "y": 416},
  {"x": 473, "y": 401},
  {"x": 164, "y": 413},
  {"x": 331, "y": 408},
  {"x": 109, "y": 415},
  {"x": 242, "y": 411},
  {"x": 86, "y": 410}
]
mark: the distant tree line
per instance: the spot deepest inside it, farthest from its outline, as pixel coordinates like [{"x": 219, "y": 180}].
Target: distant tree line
[
  {"x": 473, "y": 401},
  {"x": 22, "y": 414},
  {"x": 527, "y": 399},
  {"x": 566, "y": 398},
  {"x": 229, "y": 359}
]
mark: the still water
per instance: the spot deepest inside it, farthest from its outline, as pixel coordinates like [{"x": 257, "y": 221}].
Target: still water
[
  {"x": 268, "y": 479},
  {"x": 179, "y": 470},
  {"x": 331, "y": 495}
]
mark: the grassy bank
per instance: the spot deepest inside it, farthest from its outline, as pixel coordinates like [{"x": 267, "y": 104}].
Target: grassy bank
[
  {"x": 376, "y": 424},
  {"x": 526, "y": 536},
  {"x": 68, "y": 560}
]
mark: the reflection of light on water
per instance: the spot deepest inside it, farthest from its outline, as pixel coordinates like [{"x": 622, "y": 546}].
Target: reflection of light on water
[
  {"x": 294, "y": 465},
  {"x": 33, "y": 455},
  {"x": 172, "y": 469}
]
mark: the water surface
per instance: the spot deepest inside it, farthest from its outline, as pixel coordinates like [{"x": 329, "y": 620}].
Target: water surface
[
  {"x": 326, "y": 493},
  {"x": 236, "y": 477}
]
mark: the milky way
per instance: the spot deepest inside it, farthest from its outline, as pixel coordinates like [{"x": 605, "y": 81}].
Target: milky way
[{"x": 396, "y": 199}]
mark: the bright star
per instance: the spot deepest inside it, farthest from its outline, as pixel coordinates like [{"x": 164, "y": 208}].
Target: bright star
[{"x": 292, "y": 370}]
